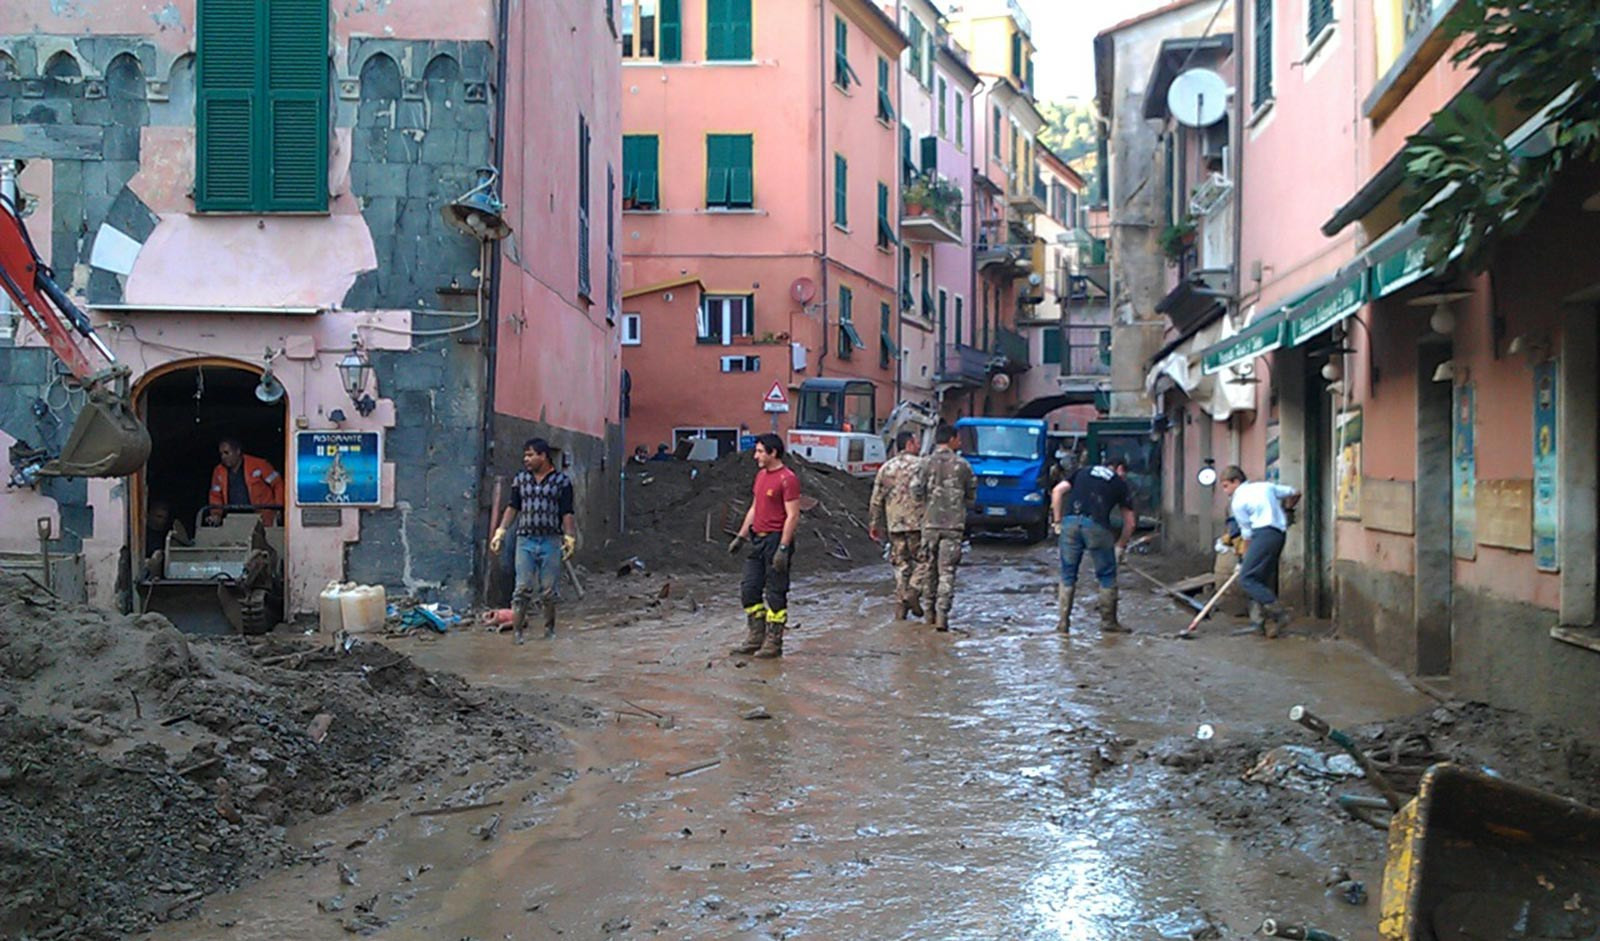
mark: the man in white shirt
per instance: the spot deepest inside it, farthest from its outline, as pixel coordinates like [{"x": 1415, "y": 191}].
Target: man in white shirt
[{"x": 1259, "y": 509}]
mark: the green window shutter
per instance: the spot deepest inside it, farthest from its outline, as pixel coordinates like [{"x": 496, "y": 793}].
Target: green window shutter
[
  {"x": 886, "y": 346},
  {"x": 228, "y": 97},
  {"x": 961, "y": 109},
  {"x": 1263, "y": 49},
  {"x": 1016, "y": 56},
  {"x": 942, "y": 94},
  {"x": 841, "y": 52},
  {"x": 671, "y": 27},
  {"x": 728, "y": 30},
  {"x": 846, "y": 299},
  {"x": 1029, "y": 83},
  {"x": 583, "y": 205},
  {"x": 908, "y": 167},
  {"x": 718, "y": 168},
  {"x": 996, "y": 135},
  {"x": 640, "y": 176},
  {"x": 885, "y": 100},
  {"x": 297, "y": 105},
  {"x": 1103, "y": 347},
  {"x": 1052, "y": 345},
  {"x": 916, "y": 48},
  {"x": 886, "y": 236},
  {"x": 1318, "y": 17},
  {"x": 741, "y": 175},
  {"x": 930, "y": 155},
  {"x": 841, "y": 189}
]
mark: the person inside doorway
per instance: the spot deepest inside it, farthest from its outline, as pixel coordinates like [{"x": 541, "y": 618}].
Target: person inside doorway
[
  {"x": 241, "y": 479},
  {"x": 158, "y": 523},
  {"x": 1261, "y": 510}
]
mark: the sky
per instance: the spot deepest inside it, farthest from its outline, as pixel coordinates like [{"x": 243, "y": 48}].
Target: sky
[{"x": 1063, "y": 31}]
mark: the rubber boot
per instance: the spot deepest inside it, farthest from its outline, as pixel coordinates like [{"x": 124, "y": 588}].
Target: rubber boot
[
  {"x": 1258, "y": 618},
  {"x": 1277, "y": 617},
  {"x": 519, "y": 620},
  {"x": 1065, "y": 595},
  {"x": 1108, "y": 612},
  {"x": 772, "y": 647},
  {"x": 549, "y": 618},
  {"x": 755, "y": 632},
  {"x": 900, "y": 610},
  {"x": 914, "y": 606},
  {"x": 942, "y": 621}
]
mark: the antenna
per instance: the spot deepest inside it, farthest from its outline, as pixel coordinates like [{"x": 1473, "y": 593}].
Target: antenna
[{"x": 1198, "y": 98}]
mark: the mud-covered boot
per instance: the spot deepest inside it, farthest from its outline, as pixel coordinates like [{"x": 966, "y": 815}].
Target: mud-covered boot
[
  {"x": 1108, "y": 612},
  {"x": 932, "y": 615},
  {"x": 519, "y": 620},
  {"x": 914, "y": 606},
  {"x": 1258, "y": 618},
  {"x": 755, "y": 632},
  {"x": 772, "y": 647},
  {"x": 1065, "y": 595},
  {"x": 901, "y": 608},
  {"x": 549, "y": 618},
  {"x": 941, "y": 621},
  {"x": 1277, "y": 617}
]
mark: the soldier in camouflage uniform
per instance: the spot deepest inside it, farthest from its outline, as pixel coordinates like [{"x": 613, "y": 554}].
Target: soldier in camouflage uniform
[
  {"x": 946, "y": 483},
  {"x": 897, "y": 513}
]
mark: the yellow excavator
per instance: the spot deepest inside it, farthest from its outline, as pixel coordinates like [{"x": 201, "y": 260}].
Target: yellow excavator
[{"x": 107, "y": 439}]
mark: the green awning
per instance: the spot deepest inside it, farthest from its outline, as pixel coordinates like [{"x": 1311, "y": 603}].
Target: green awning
[
  {"x": 1263, "y": 336},
  {"x": 1398, "y": 259},
  {"x": 1335, "y": 300}
]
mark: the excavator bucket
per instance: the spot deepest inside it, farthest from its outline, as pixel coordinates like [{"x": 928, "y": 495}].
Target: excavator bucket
[{"x": 107, "y": 440}]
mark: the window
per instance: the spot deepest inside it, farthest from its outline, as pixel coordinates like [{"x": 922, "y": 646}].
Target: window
[
  {"x": 917, "y": 31},
  {"x": 849, "y": 339},
  {"x": 930, "y": 156},
  {"x": 261, "y": 106},
  {"x": 906, "y": 303},
  {"x": 723, "y": 317},
  {"x": 961, "y": 115},
  {"x": 1262, "y": 93},
  {"x": 613, "y": 264},
  {"x": 885, "y": 101},
  {"x": 1028, "y": 81},
  {"x": 887, "y": 351},
  {"x": 843, "y": 74},
  {"x": 1318, "y": 18},
  {"x": 640, "y": 171},
  {"x": 729, "y": 174},
  {"x": 927, "y": 291},
  {"x": 841, "y": 189},
  {"x": 741, "y": 364},
  {"x": 886, "y": 237},
  {"x": 1016, "y": 56},
  {"x": 943, "y": 93},
  {"x": 641, "y": 29},
  {"x": 908, "y": 167},
  {"x": 728, "y": 30},
  {"x": 1052, "y": 346},
  {"x": 632, "y": 329},
  {"x": 944, "y": 311},
  {"x": 998, "y": 124},
  {"x": 583, "y": 206}
]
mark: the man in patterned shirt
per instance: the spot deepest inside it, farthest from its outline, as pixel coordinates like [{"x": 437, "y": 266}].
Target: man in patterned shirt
[
  {"x": 897, "y": 513},
  {"x": 541, "y": 502},
  {"x": 947, "y": 487}
]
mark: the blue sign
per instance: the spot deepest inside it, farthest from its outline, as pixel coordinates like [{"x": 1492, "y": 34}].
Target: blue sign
[
  {"x": 337, "y": 468},
  {"x": 1546, "y": 482}
]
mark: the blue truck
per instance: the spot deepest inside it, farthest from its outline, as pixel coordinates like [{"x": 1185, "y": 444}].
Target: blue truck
[{"x": 1011, "y": 458}]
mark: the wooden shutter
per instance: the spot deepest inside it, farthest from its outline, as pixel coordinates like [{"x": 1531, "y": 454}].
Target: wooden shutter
[
  {"x": 583, "y": 206},
  {"x": 1016, "y": 56},
  {"x": 1263, "y": 49},
  {"x": 885, "y": 100},
  {"x": 841, "y": 52},
  {"x": 297, "y": 105},
  {"x": 640, "y": 178},
  {"x": 671, "y": 30},
  {"x": 717, "y": 167},
  {"x": 1319, "y": 16},
  {"x": 741, "y": 172},
  {"x": 739, "y": 33},
  {"x": 728, "y": 30},
  {"x": 227, "y": 97},
  {"x": 930, "y": 155},
  {"x": 841, "y": 198},
  {"x": 885, "y": 229}
]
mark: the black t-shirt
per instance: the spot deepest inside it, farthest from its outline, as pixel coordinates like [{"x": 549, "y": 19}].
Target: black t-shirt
[{"x": 1096, "y": 491}]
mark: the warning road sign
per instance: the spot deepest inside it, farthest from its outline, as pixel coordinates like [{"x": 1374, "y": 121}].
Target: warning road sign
[{"x": 776, "y": 400}]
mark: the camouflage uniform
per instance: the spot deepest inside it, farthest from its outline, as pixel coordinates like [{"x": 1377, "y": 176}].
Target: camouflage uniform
[
  {"x": 946, "y": 482},
  {"x": 898, "y": 512}
]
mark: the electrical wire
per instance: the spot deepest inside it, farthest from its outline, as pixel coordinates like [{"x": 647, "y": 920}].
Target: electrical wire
[{"x": 477, "y": 318}]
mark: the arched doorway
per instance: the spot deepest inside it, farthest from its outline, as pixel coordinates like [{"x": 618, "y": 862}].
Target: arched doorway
[{"x": 190, "y": 407}]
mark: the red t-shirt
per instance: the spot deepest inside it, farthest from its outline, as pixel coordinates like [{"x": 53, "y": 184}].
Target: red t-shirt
[{"x": 772, "y": 490}]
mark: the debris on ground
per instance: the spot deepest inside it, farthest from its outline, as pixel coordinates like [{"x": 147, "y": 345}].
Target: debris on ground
[
  {"x": 682, "y": 514},
  {"x": 123, "y": 811}
]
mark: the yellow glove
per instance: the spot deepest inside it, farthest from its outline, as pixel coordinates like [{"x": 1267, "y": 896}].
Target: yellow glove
[
  {"x": 569, "y": 545},
  {"x": 497, "y": 540}
]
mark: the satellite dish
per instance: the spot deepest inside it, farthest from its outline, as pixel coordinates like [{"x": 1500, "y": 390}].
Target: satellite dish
[
  {"x": 803, "y": 290},
  {"x": 1198, "y": 98}
]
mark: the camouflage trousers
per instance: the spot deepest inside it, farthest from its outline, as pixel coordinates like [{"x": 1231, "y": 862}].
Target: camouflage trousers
[
  {"x": 910, "y": 569},
  {"x": 941, "y": 552}
]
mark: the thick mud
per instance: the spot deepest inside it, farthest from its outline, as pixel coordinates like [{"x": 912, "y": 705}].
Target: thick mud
[{"x": 883, "y": 780}]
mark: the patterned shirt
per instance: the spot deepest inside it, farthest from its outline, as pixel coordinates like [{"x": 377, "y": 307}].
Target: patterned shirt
[
  {"x": 893, "y": 505},
  {"x": 541, "y": 504},
  {"x": 945, "y": 481}
]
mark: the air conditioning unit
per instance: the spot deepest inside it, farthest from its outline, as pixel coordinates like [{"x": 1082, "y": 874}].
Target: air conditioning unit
[{"x": 1209, "y": 195}]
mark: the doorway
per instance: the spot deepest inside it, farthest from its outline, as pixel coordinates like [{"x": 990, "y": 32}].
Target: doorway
[
  {"x": 1320, "y": 497},
  {"x": 1435, "y": 560}
]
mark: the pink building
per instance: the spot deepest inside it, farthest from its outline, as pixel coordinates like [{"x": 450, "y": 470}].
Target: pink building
[
  {"x": 760, "y": 199},
  {"x": 219, "y": 244}
]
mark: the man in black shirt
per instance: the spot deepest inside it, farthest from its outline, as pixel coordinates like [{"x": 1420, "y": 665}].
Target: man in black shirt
[
  {"x": 542, "y": 503},
  {"x": 1081, "y": 508}
]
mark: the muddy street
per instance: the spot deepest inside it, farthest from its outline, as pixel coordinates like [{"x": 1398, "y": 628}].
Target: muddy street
[{"x": 999, "y": 781}]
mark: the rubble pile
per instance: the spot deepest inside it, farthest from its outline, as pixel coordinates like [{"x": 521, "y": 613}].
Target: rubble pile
[
  {"x": 141, "y": 769},
  {"x": 681, "y": 514}
]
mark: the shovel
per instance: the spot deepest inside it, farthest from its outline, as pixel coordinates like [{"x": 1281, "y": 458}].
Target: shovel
[{"x": 1188, "y": 633}]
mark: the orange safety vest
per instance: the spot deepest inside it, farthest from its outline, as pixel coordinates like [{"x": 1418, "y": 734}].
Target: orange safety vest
[{"x": 261, "y": 479}]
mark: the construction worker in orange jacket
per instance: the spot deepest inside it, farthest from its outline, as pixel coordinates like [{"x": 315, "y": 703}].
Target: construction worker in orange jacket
[{"x": 244, "y": 480}]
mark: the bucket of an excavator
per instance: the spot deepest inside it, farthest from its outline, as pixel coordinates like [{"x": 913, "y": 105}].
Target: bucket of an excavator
[{"x": 107, "y": 440}]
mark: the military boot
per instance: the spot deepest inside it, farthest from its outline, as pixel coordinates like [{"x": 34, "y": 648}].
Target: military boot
[
  {"x": 549, "y": 618},
  {"x": 901, "y": 608},
  {"x": 772, "y": 647},
  {"x": 1108, "y": 612},
  {"x": 519, "y": 620},
  {"x": 914, "y": 605},
  {"x": 941, "y": 621},
  {"x": 1065, "y": 595},
  {"x": 932, "y": 615},
  {"x": 755, "y": 632}
]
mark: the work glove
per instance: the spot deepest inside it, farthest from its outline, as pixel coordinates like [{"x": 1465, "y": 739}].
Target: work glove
[
  {"x": 569, "y": 545},
  {"x": 739, "y": 542},
  {"x": 875, "y": 534},
  {"x": 780, "y": 560},
  {"x": 497, "y": 540}
]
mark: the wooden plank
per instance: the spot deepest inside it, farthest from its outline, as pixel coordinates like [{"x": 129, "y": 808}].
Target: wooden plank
[
  {"x": 1195, "y": 583},
  {"x": 1389, "y": 505},
  {"x": 1505, "y": 514}
]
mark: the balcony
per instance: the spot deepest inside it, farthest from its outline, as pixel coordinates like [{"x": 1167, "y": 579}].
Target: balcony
[
  {"x": 961, "y": 366},
  {"x": 1085, "y": 351},
  {"x": 931, "y": 211},
  {"x": 1028, "y": 199},
  {"x": 1010, "y": 351}
]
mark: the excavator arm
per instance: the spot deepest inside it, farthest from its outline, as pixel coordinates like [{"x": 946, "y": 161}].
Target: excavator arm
[{"x": 107, "y": 439}]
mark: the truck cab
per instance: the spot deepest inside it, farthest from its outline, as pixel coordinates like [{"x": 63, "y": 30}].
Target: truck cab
[
  {"x": 837, "y": 425},
  {"x": 1011, "y": 459}
]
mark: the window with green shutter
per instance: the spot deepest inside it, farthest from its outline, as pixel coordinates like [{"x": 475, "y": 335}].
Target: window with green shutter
[
  {"x": 671, "y": 30},
  {"x": 930, "y": 156},
  {"x": 943, "y": 94},
  {"x": 730, "y": 177},
  {"x": 908, "y": 167},
  {"x": 849, "y": 339},
  {"x": 906, "y": 302},
  {"x": 961, "y": 113},
  {"x": 728, "y": 30},
  {"x": 641, "y": 174},
  {"x": 917, "y": 52},
  {"x": 1052, "y": 346},
  {"x": 1262, "y": 92},
  {"x": 841, "y": 192},
  {"x": 583, "y": 205},
  {"x": 996, "y": 135},
  {"x": 886, "y": 236},
  {"x": 261, "y": 106},
  {"x": 885, "y": 100},
  {"x": 843, "y": 75},
  {"x": 887, "y": 350},
  {"x": 1016, "y": 56},
  {"x": 1318, "y": 18}
]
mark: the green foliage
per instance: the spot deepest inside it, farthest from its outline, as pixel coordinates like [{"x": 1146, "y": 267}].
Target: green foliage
[
  {"x": 1071, "y": 133},
  {"x": 1539, "y": 49},
  {"x": 1176, "y": 239},
  {"x": 935, "y": 196}
]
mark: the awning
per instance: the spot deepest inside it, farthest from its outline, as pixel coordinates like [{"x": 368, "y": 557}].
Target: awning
[
  {"x": 1263, "y": 336},
  {"x": 1335, "y": 300},
  {"x": 1398, "y": 260}
]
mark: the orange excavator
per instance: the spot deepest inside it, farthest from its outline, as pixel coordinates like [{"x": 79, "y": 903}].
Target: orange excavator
[{"x": 107, "y": 439}]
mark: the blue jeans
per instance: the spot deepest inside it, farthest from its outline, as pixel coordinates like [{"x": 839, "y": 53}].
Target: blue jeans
[
  {"x": 538, "y": 565},
  {"x": 1080, "y": 534}
]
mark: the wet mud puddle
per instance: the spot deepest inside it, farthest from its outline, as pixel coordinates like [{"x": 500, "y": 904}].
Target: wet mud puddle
[{"x": 995, "y": 782}]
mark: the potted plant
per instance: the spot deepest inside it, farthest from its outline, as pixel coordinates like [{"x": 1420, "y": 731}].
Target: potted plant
[
  {"x": 917, "y": 197},
  {"x": 1177, "y": 238}
]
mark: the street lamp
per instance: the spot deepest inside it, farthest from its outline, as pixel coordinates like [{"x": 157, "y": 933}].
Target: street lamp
[{"x": 354, "y": 372}]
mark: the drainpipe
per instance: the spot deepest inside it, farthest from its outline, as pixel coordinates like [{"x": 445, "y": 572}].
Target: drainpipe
[
  {"x": 1238, "y": 161},
  {"x": 491, "y": 312},
  {"x": 894, "y": 205},
  {"x": 822, "y": 175}
]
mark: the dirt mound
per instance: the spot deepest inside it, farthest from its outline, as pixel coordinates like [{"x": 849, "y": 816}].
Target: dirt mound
[
  {"x": 681, "y": 515},
  {"x": 141, "y": 769}
]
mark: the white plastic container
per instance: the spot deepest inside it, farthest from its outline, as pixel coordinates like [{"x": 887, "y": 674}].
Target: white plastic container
[
  {"x": 328, "y": 608},
  {"x": 363, "y": 608}
]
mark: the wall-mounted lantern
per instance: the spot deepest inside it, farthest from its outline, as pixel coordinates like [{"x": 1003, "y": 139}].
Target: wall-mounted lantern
[{"x": 355, "y": 370}]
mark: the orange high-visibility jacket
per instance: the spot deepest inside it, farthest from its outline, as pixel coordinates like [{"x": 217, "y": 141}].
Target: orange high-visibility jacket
[{"x": 261, "y": 479}]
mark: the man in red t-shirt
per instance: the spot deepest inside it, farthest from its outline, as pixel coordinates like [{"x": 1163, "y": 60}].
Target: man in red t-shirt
[{"x": 768, "y": 530}]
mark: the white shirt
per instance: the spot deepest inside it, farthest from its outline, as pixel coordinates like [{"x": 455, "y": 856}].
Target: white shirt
[{"x": 1258, "y": 504}]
